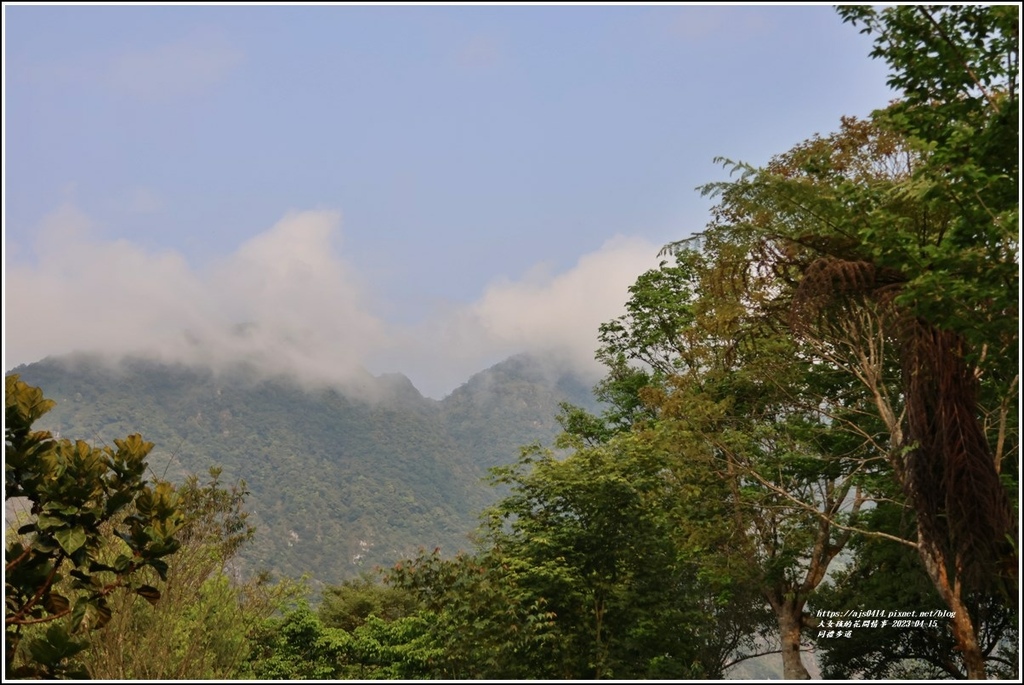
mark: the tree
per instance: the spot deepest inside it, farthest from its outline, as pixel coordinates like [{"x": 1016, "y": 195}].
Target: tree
[
  {"x": 958, "y": 70},
  {"x": 893, "y": 250},
  {"x": 297, "y": 646},
  {"x": 349, "y": 605},
  {"x": 754, "y": 407},
  {"x": 579, "y": 574},
  {"x": 882, "y": 574},
  {"x": 200, "y": 629},
  {"x": 597, "y": 536},
  {"x": 74, "y": 490},
  {"x": 478, "y": 618}
]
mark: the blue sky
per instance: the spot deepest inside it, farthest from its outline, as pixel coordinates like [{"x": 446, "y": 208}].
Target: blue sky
[{"x": 423, "y": 189}]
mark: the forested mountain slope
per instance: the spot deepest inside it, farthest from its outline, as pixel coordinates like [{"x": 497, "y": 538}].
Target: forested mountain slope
[{"x": 340, "y": 480}]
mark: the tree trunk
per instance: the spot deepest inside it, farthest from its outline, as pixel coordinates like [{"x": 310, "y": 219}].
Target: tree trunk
[
  {"x": 790, "y": 617},
  {"x": 963, "y": 628},
  {"x": 967, "y": 641},
  {"x": 602, "y": 649},
  {"x": 949, "y": 473}
]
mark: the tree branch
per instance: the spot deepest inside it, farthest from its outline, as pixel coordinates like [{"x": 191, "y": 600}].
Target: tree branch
[
  {"x": 17, "y": 618},
  {"x": 19, "y": 559},
  {"x": 956, "y": 51},
  {"x": 44, "y": 619},
  {"x": 749, "y": 656},
  {"x": 813, "y": 510}
]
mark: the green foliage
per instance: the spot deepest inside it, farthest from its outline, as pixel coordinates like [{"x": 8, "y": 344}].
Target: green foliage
[
  {"x": 74, "y": 491},
  {"x": 658, "y": 315},
  {"x": 297, "y": 647},
  {"x": 600, "y": 539},
  {"x": 887, "y": 256},
  {"x": 745, "y": 416},
  {"x": 350, "y": 604},
  {"x": 200, "y": 629},
  {"x": 338, "y": 482},
  {"x": 400, "y": 649},
  {"x": 482, "y": 623},
  {"x": 505, "y": 613}
]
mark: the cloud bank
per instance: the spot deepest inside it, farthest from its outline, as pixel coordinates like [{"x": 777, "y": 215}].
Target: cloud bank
[{"x": 287, "y": 301}]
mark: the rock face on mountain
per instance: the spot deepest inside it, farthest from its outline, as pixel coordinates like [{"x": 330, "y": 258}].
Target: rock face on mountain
[{"x": 340, "y": 479}]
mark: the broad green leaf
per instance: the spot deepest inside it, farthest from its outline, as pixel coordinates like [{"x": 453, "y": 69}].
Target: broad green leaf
[
  {"x": 77, "y": 614},
  {"x": 70, "y": 540}
]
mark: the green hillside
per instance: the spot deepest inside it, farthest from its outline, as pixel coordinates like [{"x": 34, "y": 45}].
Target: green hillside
[{"x": 340, "y": 482}]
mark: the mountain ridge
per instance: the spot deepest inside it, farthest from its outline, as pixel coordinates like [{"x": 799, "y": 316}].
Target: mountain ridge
[{"x": 340, "y": 479}]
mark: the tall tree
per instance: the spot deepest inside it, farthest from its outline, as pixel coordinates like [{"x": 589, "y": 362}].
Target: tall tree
[
  {"x": 958, "y": 71},
  {"x": 598, "y": 536},
  {"x": 893, "y": 249},
  {"x": 758, "y": 406},
  {"x": 481, "y": 621}
]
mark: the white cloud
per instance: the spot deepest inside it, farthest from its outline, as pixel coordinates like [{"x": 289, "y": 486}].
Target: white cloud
[
  {"x": 286, "y": 289},
  {"x": 552, "y": 314},
  {"x": 304, "y": 303},
  {"x": 190, "y": 65},
  {"x": 88, "y": 295},
  {"x": 187, "y": 66},
  {"x": 562, "y": 313},
  {"x": 287, "y": 302}
]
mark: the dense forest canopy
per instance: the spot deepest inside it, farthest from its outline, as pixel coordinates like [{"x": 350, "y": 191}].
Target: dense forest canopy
[{"x": 806, "y": 445}]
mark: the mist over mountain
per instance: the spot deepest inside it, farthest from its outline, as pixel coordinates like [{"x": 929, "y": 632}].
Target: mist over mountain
[
  {"x": 291, "y": 299},
  {"x": 341, "y": 479}
]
